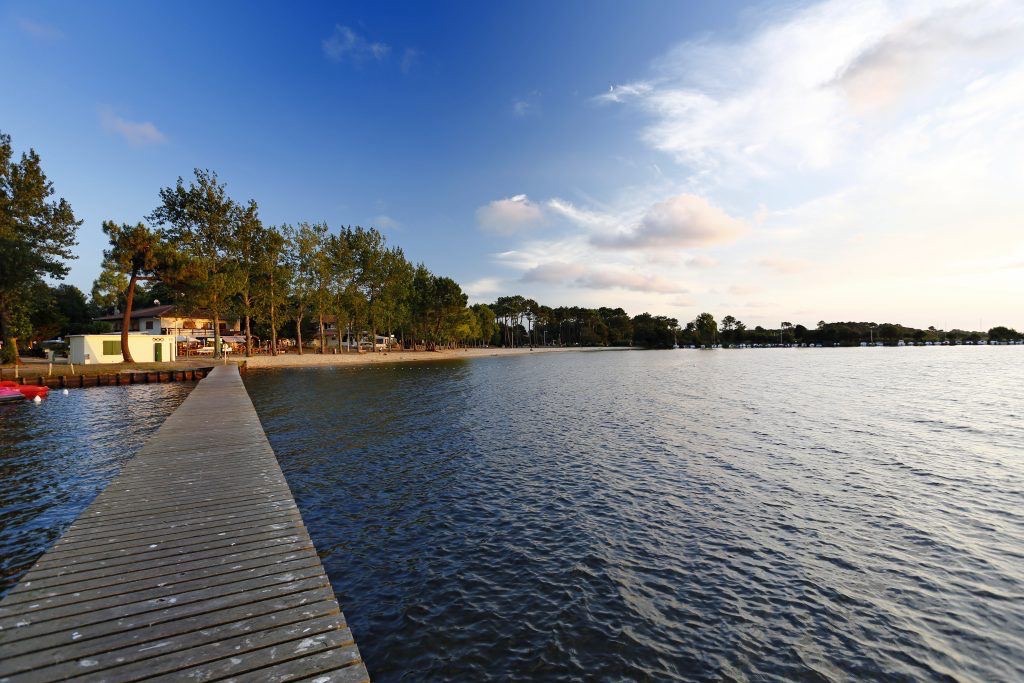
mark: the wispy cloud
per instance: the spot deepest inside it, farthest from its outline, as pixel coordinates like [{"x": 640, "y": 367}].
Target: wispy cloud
[
  {"x": 624, "y": 92},
  {"x": 39, "y": 30},
  {"x": 410, "y": 57},
  {"x": 508, "y": 216},
  {"x": 136, "y": 133},
  {"x": 484, "y": 288},
  {"x": 529, "y": 105},
  {"x": 790, "y": 97},
  {"x": 602, "y": 278},
  {"x": 345, "y": 45},
  {"x": 385, "y": 222}
]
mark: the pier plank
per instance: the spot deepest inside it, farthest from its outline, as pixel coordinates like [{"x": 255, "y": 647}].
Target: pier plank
[{"x": 193, "y": 563}]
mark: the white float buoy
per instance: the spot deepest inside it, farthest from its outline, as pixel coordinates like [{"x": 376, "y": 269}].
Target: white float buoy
[
  {"x": 65, "y": 392},
  {"x": 37, "y": 399}
]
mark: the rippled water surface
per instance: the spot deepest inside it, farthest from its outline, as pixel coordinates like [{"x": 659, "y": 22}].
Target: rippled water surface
[
  {"x": 56, "y": 456},
  {"x": 818, "y": 514}
]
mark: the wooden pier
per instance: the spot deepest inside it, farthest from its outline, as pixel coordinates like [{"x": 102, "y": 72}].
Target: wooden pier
[{"x": 193, "y": 564}]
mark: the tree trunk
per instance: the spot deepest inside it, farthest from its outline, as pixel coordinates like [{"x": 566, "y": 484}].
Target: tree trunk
[
  {"x": 9, "y": 352},
  {"x": 126, "y": 320},
  {"x": 273, "y": 328},
  {"x": 321, "y": 334},
  {"x": 216, "y": 336},
  {"x": 298, "y": 332},
  {"x": 248, "y": 337}
]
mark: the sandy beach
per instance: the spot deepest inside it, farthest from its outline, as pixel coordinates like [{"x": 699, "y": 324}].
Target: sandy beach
[{"x": 311, "y": 359}]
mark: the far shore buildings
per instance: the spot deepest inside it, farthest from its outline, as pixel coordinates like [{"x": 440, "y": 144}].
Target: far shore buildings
[{"x": 335, "y": 338}]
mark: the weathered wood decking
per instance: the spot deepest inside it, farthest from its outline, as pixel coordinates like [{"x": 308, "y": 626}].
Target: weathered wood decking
[{"x": 193, "y": 564}]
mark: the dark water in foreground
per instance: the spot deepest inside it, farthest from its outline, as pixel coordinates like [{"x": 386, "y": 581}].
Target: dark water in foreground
[
  {"x": 852, "y": 514},
  {"x": 56, "y": 456}
]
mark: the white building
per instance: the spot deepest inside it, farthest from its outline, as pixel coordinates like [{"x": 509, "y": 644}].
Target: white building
[{"x": 93, "y": 349}]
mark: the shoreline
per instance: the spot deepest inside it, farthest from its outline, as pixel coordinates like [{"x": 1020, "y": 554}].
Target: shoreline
[{"x": 328, "y": 359}]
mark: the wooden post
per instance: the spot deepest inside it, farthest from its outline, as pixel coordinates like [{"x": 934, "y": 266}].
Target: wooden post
[
  {"x": 40, "y": 381},
  {"x": 81, "y": 381},
  {"x": 63, "y": 382}
]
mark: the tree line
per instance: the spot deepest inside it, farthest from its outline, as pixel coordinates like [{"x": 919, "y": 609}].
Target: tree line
[{"x": 212, "y": 255}]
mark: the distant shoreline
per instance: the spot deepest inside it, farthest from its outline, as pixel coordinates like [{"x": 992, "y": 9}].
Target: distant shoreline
[{"x": 310, "y": 359}]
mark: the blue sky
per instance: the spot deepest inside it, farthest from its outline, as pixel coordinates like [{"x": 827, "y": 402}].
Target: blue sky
[{"x": 672, "y": 157}]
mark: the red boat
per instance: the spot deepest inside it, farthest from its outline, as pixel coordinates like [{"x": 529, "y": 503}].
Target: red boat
[
  {"x": 30, "y": 391},
  {"x": 8, "y": 395}
]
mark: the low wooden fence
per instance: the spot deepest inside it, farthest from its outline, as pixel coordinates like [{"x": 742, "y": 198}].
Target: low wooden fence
[{"x": 117, "y": 378}]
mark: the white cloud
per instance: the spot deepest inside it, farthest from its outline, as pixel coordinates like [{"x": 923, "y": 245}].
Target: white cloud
[
  {"x": 780, "y": 100},
  {"x": 344, "y": 44},
  {"x": 508, "y": 216},
  {"x": 609, "y": 278},
  {"x": 479, "y": 290},
  {"x": 867, "y": 155},
  {"x": 136, "y": 133},
  {"x": 682, "y": 221},
  {"x": 602, "y": 278},
  {"x": 554, "y": 272},
  {"x": 625, "y": 92},
  {"x": 385, "y": 222},
  {"x": 582, "y": 217},
  {"x": 920, "y": 51}
]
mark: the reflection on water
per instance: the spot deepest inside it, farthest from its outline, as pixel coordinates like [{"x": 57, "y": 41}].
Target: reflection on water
[
  {"x": 56, "y": 456},
  {"x": 765, "y": 514}
]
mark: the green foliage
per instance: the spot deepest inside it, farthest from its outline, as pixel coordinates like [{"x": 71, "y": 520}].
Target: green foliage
[
  {"x": 36, "y": 236},
  {"x": 1002, "y": 333},
  {"x": 109, "y": 287},
  {"x": 201, "y": 221},
  {"x": 654, "y": 332},
  {"x": 706, "y": 328}
]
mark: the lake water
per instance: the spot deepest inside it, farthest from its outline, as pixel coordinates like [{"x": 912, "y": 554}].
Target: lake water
[
  {"x": 804, "y": 514},
  {"x": 56, "y": 456}
]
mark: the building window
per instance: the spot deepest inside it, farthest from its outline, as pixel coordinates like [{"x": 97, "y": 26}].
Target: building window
[
  {"x": 112, "y": 347},
  {"x": 149, "y": 324}
]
